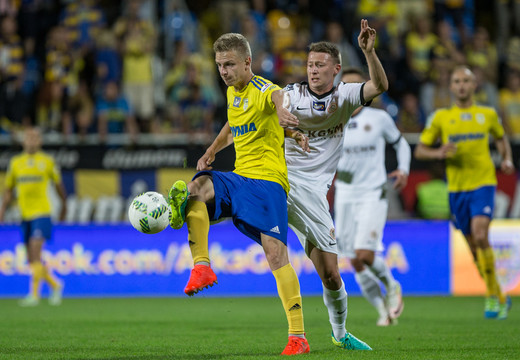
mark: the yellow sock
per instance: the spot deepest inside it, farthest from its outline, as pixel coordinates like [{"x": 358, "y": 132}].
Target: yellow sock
[
  {"x": 479, "y": 269},
  {"x": 37, "y": 274},
  {"x": 197, "y": 219},
  {"x": 51, "y": 280},
  {"x": 289, "y": 291},
  {"x": 486, "y": 260}
]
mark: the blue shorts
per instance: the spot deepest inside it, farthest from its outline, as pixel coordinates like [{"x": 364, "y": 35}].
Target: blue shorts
[
  {"x": 256, "y": 206},
  {"x": 39, "y": 227},
  {"x": 465, "y": 205}
]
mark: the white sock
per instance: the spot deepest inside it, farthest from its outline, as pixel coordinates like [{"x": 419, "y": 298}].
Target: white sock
[
  {"x": 381, "y": 270},
  {"x": 371, "y": 290},
  {"x": 336, "y": 303}
]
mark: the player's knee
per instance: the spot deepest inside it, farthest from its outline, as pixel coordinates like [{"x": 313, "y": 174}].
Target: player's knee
[
  {"x": 332, "y": 280},
  {"x": 357, "y": 264}
]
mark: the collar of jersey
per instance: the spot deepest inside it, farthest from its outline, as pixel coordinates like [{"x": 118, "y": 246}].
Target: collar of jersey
[{"x": 319, "y": 97}]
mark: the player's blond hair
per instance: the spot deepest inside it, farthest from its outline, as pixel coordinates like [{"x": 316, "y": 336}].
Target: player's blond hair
[
  {"x": 233, "y": 42},
  {"x": 327, "y": 48}
]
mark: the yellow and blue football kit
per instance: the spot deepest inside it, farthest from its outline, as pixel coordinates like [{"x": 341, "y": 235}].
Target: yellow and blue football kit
[
  {"x": 471, "y": 167},
  {"x": 30, "y": 175},
  {"x": 470, "y": 173}
]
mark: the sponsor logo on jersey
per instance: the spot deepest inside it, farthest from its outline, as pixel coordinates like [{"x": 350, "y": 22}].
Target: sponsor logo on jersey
[
  {"x": 318, "y": 105},
  {"x": 29, "y": 179},
  {"x": 465, "y": 116},
  {"x": 328, "y": 132},
  {"x": 466, "y": 137},
  {"x": 360, "y": 149},
  {"x": 236, "y": 101},
  {"x": 243, "y": 129},
  {"x": 246, "y": 104},
  {"x": 265, "y": 87}
]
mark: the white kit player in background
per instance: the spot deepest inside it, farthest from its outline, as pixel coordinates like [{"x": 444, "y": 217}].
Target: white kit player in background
[
  {"x": 360, "y": 204},
  {"x": 322, "y": 111}
]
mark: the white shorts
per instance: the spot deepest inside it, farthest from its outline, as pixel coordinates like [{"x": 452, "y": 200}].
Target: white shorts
[
  {"x": 310, "y": 219},
  {"x": 359, "y": 225}
]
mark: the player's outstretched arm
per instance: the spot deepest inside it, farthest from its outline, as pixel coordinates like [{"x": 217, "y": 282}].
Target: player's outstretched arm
[
  {"x": 282, "y": 102},
  {"x": 504, "y": 148},
  {"x": 378, "y": 82},
  {"x": 223, "y": 140}
]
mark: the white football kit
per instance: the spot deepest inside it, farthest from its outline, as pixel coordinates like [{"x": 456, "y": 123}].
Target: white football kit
[
  {"x": 360, "y": 204},
  {"x": 322, "y": 118}
]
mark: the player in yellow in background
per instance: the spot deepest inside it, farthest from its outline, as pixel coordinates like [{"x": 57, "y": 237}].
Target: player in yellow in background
[
  {"x": 29, "y": 174},
  {"x": 254, "y": 195},
  {"x": 464, "y": 131}
]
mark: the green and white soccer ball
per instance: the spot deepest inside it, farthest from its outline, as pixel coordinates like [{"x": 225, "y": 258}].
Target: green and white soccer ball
[{"x": 149, "y": 212}]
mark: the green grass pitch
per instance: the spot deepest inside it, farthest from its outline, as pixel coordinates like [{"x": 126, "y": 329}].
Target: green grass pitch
[{"x": 248, "y": 328}]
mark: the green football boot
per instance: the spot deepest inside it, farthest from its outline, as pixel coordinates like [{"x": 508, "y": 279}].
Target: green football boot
[{"x": 178, "y": 198}]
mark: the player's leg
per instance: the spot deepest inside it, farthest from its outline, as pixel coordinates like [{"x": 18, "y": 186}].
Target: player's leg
[
  {"x": 486, "y": 261},
  {"x": 334, "y": 293},
  {"x": 289, "y": 291},
  {"x": 33, "y": 247},
  {"x": 200, "y": 192}
]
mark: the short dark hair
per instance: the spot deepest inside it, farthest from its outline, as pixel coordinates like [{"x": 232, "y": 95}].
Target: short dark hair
[
  {"x": 328, "y": 48},
  {"x": 354, "y": 70}
]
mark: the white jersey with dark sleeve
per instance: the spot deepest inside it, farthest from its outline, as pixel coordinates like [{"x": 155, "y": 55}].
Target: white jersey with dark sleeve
[
  {"x": 322, "y": 118},
  {"x": 362, "y": 163}
]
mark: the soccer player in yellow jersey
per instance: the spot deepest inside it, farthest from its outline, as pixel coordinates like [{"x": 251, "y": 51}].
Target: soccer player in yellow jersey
[
  {"x": 254, "y": 195},
  {"x": 30, "y": 174},
  {"x": 464, "y": 132}
]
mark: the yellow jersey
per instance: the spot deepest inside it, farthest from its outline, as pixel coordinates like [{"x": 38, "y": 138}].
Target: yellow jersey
[
  {"x": 471, "y": 167},
  {"x": 257, "y": 136},
  {"x": 30, "y": 174}
]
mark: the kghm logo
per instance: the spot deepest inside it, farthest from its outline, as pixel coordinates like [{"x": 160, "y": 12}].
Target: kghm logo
[
  {"x": 158, "y": 212},
  {"x": 139, "y": 206},
  {"x": 242, "y": 130}
]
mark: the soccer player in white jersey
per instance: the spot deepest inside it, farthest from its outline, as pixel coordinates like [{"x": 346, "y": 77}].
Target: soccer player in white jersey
[
  {"x": 322, "y": 111},
  {"x": 360, "y": 204}
]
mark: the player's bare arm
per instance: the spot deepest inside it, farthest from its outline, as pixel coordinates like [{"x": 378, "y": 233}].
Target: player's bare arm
[
  {"x": 281, "y": 101},
  {"x": 424, "y": 152},
  {"x": 378, "y": 82},
  {"x": 299, "y": 137},
  {"x": 6, "y": 200},
  {"x": 504, "y": 148},
  {"x": 223, "y": 140}
]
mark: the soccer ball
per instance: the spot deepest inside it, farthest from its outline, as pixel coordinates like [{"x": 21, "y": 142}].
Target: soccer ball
[{"x": 149, "y": 212}]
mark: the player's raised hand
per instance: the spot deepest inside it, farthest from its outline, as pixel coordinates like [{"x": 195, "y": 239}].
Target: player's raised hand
[
  {"x": 367, "y": 37},
  {"x": 401, "y": 179},
  {"x": 205, "y": 161}
]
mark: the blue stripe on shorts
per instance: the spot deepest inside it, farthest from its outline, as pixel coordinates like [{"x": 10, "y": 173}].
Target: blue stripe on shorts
[
  {"x": 256, "y": 206},
  {"x": 465, "y": 205}
]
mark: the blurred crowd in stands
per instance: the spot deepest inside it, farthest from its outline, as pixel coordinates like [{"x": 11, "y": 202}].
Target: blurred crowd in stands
[{"x": 147, "y": 66}]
